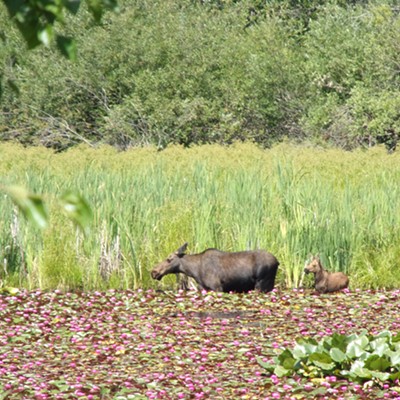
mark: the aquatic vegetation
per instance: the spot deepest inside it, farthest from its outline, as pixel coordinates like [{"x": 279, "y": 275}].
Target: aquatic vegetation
[{"x": 188, "y": 345}]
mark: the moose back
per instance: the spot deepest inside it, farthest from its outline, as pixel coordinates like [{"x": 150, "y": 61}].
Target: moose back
[{"x": 222, "y": 271}]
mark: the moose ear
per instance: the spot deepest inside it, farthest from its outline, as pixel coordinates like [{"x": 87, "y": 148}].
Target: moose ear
[{"x": 182, "y": 250}]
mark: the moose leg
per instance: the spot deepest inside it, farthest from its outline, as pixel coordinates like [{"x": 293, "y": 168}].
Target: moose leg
[
  {"x": 266, "y": 283},
  {"x": 182, "y": 281},
  {"x": 187, "y": 283}
]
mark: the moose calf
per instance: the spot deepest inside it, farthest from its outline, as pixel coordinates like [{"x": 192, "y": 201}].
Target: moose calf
[{"x": 326, "y": 281}]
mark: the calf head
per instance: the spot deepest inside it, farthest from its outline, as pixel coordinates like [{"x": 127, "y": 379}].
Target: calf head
[
  {"x": 170, "y": 265},
  {"x": 313, "y": 266}
]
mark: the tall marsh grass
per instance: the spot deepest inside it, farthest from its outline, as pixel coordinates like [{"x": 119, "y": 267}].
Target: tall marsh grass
[{"x": 292, "y": 201}]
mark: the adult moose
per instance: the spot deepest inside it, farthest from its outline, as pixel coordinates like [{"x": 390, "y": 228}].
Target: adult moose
[
  {"x": 326, "y": 281},
  {"x": 222, "y": 271}
]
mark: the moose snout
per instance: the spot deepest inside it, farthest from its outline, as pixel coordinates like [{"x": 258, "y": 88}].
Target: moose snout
[
  {"x": 156, "y": 275},
  {"x": 306, "y": 271}
]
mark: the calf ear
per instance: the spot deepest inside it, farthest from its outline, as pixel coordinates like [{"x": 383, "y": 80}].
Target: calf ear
[{"x": 182, "y": 250}]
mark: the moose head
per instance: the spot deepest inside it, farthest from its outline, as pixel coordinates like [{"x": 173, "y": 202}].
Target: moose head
[{"x": 170, "y": 265}]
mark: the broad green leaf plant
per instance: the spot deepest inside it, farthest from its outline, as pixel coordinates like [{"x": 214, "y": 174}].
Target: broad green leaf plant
[{"x": 357, "y": 357}]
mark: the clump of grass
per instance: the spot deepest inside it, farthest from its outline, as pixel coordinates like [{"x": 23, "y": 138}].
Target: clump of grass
[{"x": 60, "y": 266}]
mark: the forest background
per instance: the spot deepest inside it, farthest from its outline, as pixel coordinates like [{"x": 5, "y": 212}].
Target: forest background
[{"x": 197, "y": 71}]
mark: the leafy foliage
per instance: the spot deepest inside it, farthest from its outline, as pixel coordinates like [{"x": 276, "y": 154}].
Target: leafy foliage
[
  {"x": 32, "y": 206},
  {"x": 36, "y": 20},
  {"x": 353, "y": 102},
  {"x": 208, "y": 72},
  {"x": 358, "y": 357},
  {"x": 77, "y": 208}
]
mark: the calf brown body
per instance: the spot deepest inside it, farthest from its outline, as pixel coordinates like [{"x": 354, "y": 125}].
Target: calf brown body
[
  {"x": 326, "y": 281},
  {"x": 222, "y": 271}
]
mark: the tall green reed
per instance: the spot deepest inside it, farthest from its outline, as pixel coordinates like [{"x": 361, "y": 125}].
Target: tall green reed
[{"x": 292, "y": 201}]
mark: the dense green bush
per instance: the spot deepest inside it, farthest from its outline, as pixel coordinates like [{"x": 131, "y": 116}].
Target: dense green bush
[
  {"x": 352, "y": 62},
  {"x": 209, "y": 71}
]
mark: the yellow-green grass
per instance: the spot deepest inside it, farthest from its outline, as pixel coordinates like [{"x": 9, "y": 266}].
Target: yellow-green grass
[{"x": 293, "y": 201}]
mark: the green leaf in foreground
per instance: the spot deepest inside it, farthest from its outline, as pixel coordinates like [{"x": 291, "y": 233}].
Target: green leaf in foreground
[
  {"x": 31, "y": 205},
  {"x": 72, "y": 6},
  {"x": 280, "y": 371},
  {"x": 97, "y": 7},
  {"x": 286, "y": 359},
  {"x": 77, "y": 209},
  {"x": 67, "y": 47}
]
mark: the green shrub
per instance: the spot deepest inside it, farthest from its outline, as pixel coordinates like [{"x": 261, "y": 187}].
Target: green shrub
[
  {"x": 60, "y": 266},
  {"x": 186, "y": 72},
  {"x": 354, "y": 84}
]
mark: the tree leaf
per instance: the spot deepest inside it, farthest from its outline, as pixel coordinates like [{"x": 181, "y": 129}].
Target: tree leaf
[
  {"x": 394, "y": 358},
  {"x": 267, "y": 365},
  {"x": 396, "y": 338},
  {"x": 339, "y": 341},
  {"x": 356, "y": 348},
  {"x": 382, "y": 376},
  {"x": 380, "y": 346},
  {"x": 67, "y": 47},
  {"x": 384, "y": 334},
  {"x": 395, "y": 376},
  {"x": 72, "y": 5},
  {"x": 280, "y": 371},
  {"x": 300, "y": 351},
  {"x": 13, "y": 6},
  {"x": 77, "y": 209},
  {"x": 45, "y": 35},
  {"x": 286, "y": 359},
  {"x": 306, "y": 348},
  {"x": 30, "y": 30},
  {"x": 97, "y": 7},
  {"x": 357, "y": 370},
  {"x": 31, "y": 205}
]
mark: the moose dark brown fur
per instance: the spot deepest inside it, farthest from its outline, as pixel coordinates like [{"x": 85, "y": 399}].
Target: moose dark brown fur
[
  {"x": 326, "y": 281},
  {"x": 222, "y": 271}
]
